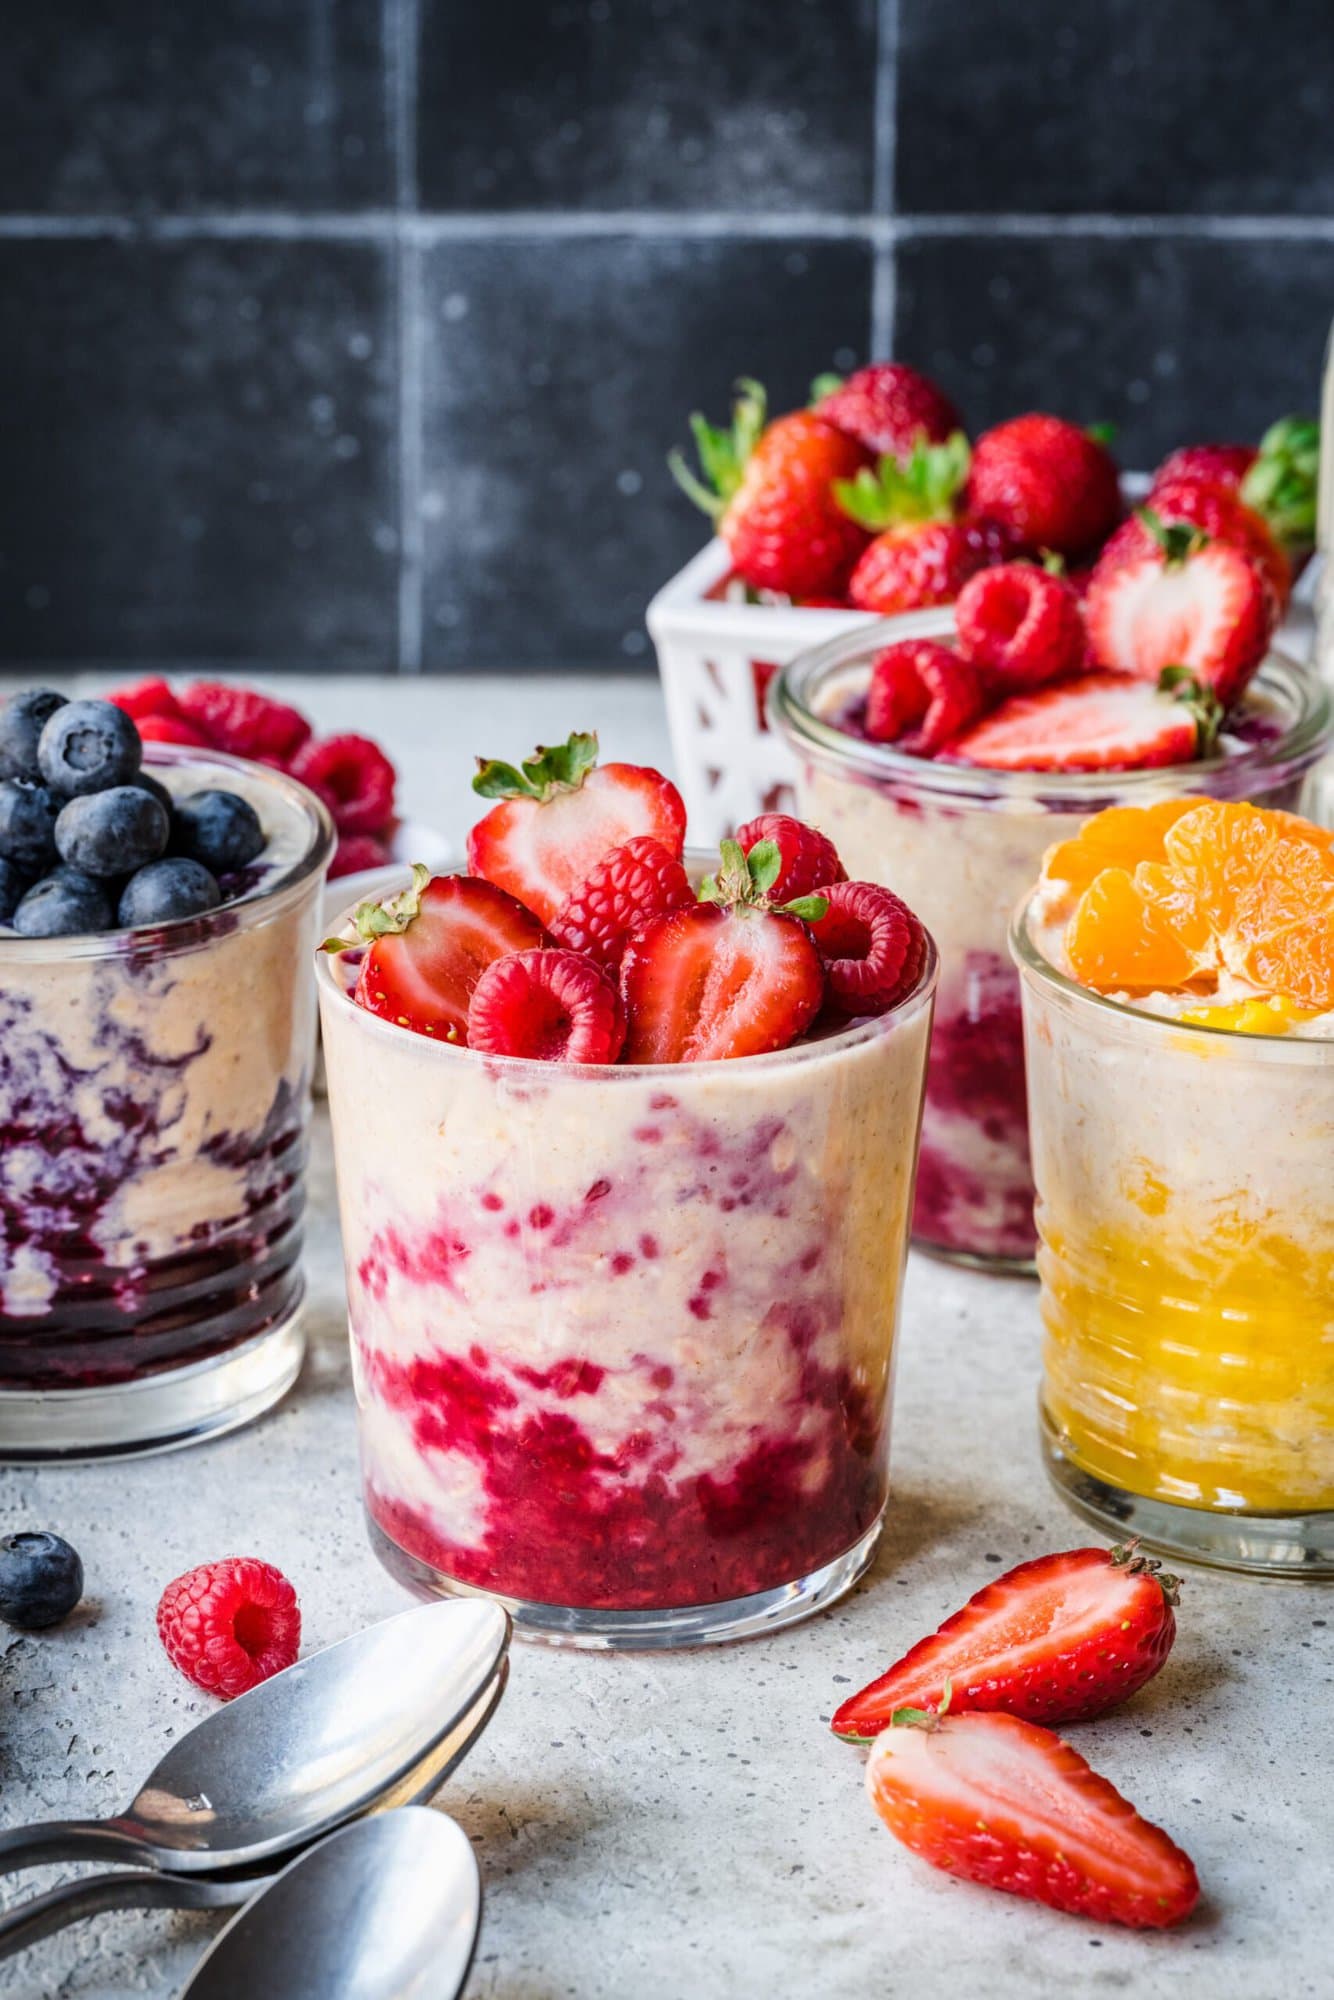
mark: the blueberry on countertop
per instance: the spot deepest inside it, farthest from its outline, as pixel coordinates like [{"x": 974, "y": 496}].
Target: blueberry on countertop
[
  {"x": 21, "y": 722},
  {"x": 176, "y": 887},
  {"x": 41, "y": 1580},
  {"x": 14, "y": 885},
  {"x": 67, "y": 903},
  {"x": 112, "y": 832},
  {"x": 27, "y": 825},
  {"x": 87, "y": 746},
  {"x": 219, "y": 829}
]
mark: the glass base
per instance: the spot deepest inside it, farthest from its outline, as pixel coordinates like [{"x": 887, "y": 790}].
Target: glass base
[
  {"x": 158, "y": 1412},
  {"x": 1277, "y": 1545},
  {"x": 976, "y": 1260},
  {"x": 647, "y": 1631}
]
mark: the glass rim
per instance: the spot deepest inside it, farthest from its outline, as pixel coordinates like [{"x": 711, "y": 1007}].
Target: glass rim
[
  {"x": 180, "y": 934},
  {"x": 1304, "y": 696},
  {"x": 1029, "y": 959}
]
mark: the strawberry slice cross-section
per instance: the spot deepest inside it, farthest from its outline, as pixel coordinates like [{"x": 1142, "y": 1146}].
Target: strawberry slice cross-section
[{"x": 1097, "y": 722}]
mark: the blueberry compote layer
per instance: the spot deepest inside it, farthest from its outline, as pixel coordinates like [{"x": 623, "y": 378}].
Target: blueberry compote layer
[
  {"x": 153, "y": 1126},
  {"x": 623, "y": 1339}
]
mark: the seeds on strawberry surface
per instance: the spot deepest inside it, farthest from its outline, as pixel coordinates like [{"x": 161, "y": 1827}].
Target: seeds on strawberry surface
[
  {"x": 1048, "y": 482},
  {"x": 632, "y": 883},
  {"x": 546, "y": 1006},
  {"x": 429, "y": 946},
  {"x": 888, "y": 407},
  {"x": 872, "y": 945},
  {"x": 1021, "y": 625},
  {"x": 715, "y": 981},
  {"x": 229, "y": 1625},
  {"x": 807, "y": 858},
  {"x": 1097, "y": 722},
  {"x": 921, "y": 695},
  {"x": 1183, "y": 601}
]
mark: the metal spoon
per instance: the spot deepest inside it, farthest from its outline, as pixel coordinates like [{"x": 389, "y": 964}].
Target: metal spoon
[
  {"x": 159, "y": 1889},
  {"x": 385, "y": 1909}
]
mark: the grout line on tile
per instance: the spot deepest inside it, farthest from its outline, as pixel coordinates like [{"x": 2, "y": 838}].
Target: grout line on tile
[
  {"x": 883, "y": 177},
  {"x": 401, "y": 22}
]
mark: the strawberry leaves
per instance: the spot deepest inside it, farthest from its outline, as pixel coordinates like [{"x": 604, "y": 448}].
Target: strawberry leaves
[
  {"x": 925, "y": 489},
  {"x": 560, "y": 767},
  {"x": 388, "y": 918},
  {"x": 1195, "y": 695},
  {"x": 1281, "y": 484},
  {"x": 744, "y": 881},
  {"x": 723, "y": 451}
]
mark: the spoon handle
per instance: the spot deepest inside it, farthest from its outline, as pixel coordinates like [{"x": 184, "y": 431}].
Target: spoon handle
[
  {"x": 64, "y": 1840},
  {"x": 128, "y": 1889}
]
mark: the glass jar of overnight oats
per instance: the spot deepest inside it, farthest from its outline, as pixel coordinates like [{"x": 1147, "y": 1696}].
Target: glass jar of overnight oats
[
  {"x": 623, "y": 1337},
  {"x": 1186, "y": 1214},
  {"x": 154, "y": 1093},
  {"x": 960, "y": 845}
]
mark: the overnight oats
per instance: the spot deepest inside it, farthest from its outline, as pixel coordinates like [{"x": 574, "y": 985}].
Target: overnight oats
[
  {"x": 931, "y": 779},
  {"x": 1178, "y": 978},
  {"x": 625, "y": 1163},
  {"x": 157, "y": 911}
]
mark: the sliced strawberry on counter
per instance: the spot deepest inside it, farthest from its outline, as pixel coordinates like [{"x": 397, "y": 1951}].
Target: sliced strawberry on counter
[
  {"x": 630, "y": 885},
  {"x": 429, "y": 946},
  {"x": 1007, "y": 1804},
  {"x": 921, "y": 695},
  {"x": 353, "y": 777},
  {"x": 1022, "y": 625},
  {"x": 872, "y": 945},
  {"x": 807, "y": 859},
  {"x": 1052, "y": 485},
  {"x": 245, "y": 722},
  {"x": 1061, "y": 1639},
  {"x": 560, "y": 814},
  {"x": 1184, "y": 601},
  {"x": 1097, "y": 722},
  {"x": 547, "y": 1006},
  {"x": 888, "y": 407},
  {"x": 1220, "y": 517},
  {"x": 768, "y": 489}
]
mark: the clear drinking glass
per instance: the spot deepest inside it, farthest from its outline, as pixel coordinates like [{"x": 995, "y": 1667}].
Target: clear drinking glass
[
  {"x": 623, "y": 1338},
  {"x": 154, "y": 1103},
  {"x": 1186, "y": 1215},
  {"x": 961, "y": 845}
]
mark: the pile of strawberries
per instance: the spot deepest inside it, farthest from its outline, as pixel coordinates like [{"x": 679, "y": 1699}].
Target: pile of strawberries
[
  {"x": 576, "y": 935},
  {"x": 350, "y": 773}
]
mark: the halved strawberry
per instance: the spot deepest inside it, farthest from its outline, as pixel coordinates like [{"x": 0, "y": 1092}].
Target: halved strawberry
[
  {"x": 712, "y": 982},
  {"x": 429, "y": 946},
  {"x": 560, "y": 814},
  {"x": 1185, "y": 601},
  {"x": 1008, "y": 1804},
  {"x": 1219, "y": 516},
  {"x": 1059, "y": 1639},
  {"x": 1097, "y": 722}
]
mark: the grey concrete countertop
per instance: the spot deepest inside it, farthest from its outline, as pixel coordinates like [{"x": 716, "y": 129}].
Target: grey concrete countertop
[{"x": 686, "y": 1828}]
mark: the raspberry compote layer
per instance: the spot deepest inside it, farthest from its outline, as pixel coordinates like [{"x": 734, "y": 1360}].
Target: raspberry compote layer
[
  {"x": 154, "y": 1093},
  {"x": 961, "y": 846},
  {"x": 623, "y": 1338}
]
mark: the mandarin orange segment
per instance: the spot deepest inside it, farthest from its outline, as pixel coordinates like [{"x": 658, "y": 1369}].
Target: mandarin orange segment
[
  {"x": 1116, "y": 838},
  {"x": 1297, "y": 962},
  {"x": 1119, "y": 941},
  {"x": 1163, "y": 887}
]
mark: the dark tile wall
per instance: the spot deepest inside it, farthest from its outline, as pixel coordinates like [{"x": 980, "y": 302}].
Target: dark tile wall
[{"x": 353, "y": 334}]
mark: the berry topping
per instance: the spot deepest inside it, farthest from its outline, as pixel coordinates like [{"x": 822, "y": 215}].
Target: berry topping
[
  {"x": 145, "y": 698},
  {"x": 41, "y": 1580},
  {"x": 357, "y": 852},
  {"x": 112, "y": 832},
  {"x": 923, "y": 553},
  {"x": 1021, "y": 625},
  {"x": 807, "y": 859},
  {"x": 229, "y": 1625},
  {"x": 240, "y": 720},
  {"x": 1005, "y": 1803},
  {"x": 717, "y": 981},
  {"x": 631, "y": 884},
  {"x": 64, "y": 904},
  {"x": 165, "y": 890},
  {"x": 88, "y": 746},
  {"x": 560, "y": 814},
  {"x": 769, "y": 489},
  {"x": 1051, "y": 484},
  {"x": 172, "y": 729},
  {"x": 219, "y": 829},
  {"x": 353, "y": 777},
  {"x": 1184, "y": 601},
  {"x": 1219, "y": 516},
  {"x": 1098, "y": 722},
  {"x": 430, "y": 945},
  {"x": 22, "y": 719},
  {"x": 27, "y": 825},
  {"x": 1060, "y": 1639},
  {"x": 921, "y": 695},
  {"x": 888, "y": 408},
  {"x": 1224, "y": 465},
  {"x": 872, "y": 945},
  {"x": 548, "y": 1006}
]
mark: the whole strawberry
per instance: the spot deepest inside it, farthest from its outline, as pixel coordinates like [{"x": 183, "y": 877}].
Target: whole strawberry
[
  {"x": 1048, "y": 482},
  {"x": 768, "y": 487},
  {"x": 1224, "y": 465},
  {"x": 889, "y": 408},
  {"x": 923, "y": 553}
]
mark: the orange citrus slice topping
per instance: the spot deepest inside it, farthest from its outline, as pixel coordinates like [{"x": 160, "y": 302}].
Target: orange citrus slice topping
[{"x": 1117, "y": 838}]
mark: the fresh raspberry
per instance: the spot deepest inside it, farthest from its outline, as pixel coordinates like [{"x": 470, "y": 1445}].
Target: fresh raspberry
[
  {"x": 353, "y": 777},
  {"x": 1020, "y": 625},
  {"x": 228, "y": 1625},
  {"x": 148, "y": 697},
  {"x": 356, "y": 852},
  {"x": 171, "y": 729},
  {"x": 243, "y": 721},
  {"x": 872, "y": 945},
  {"x": 921, "y": 695},
  {"x": 635, "y": 881},
  {"x": 548, "y": 1006},
  {"x": 808, "y": 859}
]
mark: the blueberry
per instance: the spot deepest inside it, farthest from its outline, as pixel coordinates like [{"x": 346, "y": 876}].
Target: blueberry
[
  {"x": 148, "y": 783},
  {"x": 41, "y": 1580},
  {"x": 13, "y": 885},
  {"x": 87, "y": 746},
  {"x": 65, "y": 903},
  {"x": 27, "y": 825},
  {"x": 21, "y": 721},
  {"x": 112, "y": 833},
  {"x": 176, "y": 887},
  {"x": 220, "y": 829}
]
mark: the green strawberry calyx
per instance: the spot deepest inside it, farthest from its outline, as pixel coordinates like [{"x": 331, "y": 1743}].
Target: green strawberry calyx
[
  {"x": 1206, "y": 710},
  {"x": 387, "y": 918},
  {"x": 1281, "y": 484},
  {"x": 926, "y": 488},
  {"x": 1178, "y": 540},
  {"x": 552, "y": 768},
  {"x": 723, "y": 450},
  {"x": 743, "y": 881},
  {"x": 1126, "y": 1556},
  {"x": 924, "y": 1718}
]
